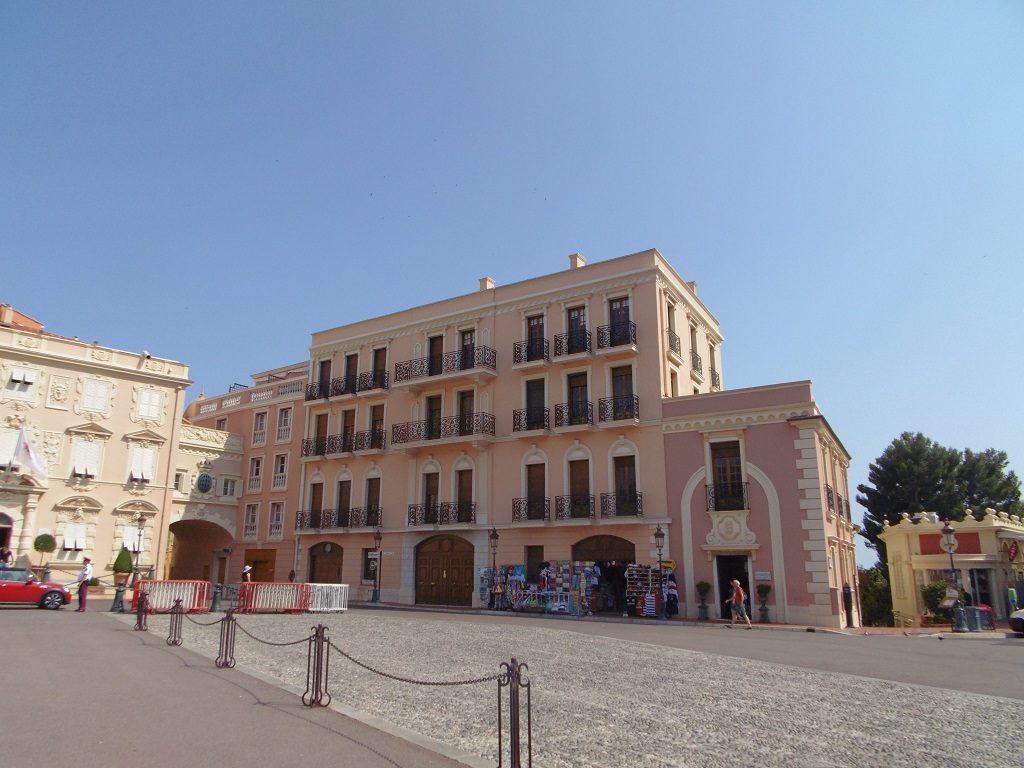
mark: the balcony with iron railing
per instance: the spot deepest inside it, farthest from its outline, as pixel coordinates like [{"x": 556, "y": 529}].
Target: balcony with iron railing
[
  {"x": 471, "y": 426},
  {"x": 675, "y": 346},
  {"x": 443, "y": 513},
  {"x": 531, "y": 353},
  {"x": 530, "y": 419},
  {"x": 280, "y": 480},
  {"x": 575, "y": 414},
  {"x": 531, "y": 508},
  {"x": 343, "y": 443},
  {"x": 716, "y": 380},
  {"x": 575, "y": 506},
  {"x": 622, "y": 504},
  {"x": 478, "y": 361},
  {"x": 724, "y": 497},
  {"x": 830, "y": 495},
  {"x": 346, "y": 517},
  {"x": 573, "y": 343},
  {"x": 314, "y": 446},
  {"x": 316, "y": 519},
  {"x": 617, "y": 337},
  {"x": 370, "y": 380},
  {"x": 318, "y": 389},
  {"x": 625, "y": 408},
  {"x": 696, "y": 364},
  {"x": 370, "y": 440},
  {"x": 344, "y": 385}
]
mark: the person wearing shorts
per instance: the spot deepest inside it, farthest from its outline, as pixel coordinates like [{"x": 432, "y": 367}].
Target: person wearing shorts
[{"x": 738, "y": 606}]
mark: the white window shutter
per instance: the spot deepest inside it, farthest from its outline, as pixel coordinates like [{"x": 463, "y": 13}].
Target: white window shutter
[
  {"x": 69, "y": 536},
  {"x": 28, "y": 376},
  {"x": 8, "y": 442},
  {"x": 148, "y": 463},
  {"x": 91, "y": 452},
  {"x": 79, "y": 456},
  {"x": 150, "y": 402}
]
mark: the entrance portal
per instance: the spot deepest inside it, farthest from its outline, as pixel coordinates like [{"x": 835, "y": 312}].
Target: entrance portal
[
  {"x": 325, "y": 560},
  {"x": 731, "y": 567},
  {"x": 444, "y": 571}
]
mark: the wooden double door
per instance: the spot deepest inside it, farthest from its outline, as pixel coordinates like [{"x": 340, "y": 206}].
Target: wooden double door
[{"x": 444, "y": 571}]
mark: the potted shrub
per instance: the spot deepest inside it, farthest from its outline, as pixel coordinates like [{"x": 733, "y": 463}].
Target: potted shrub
[
  {"x": 44, "y": 544},
  {"x": 762, "y": 594},
  {"x": 122, "y": 567},
  {"x": 703, "y": 588}
]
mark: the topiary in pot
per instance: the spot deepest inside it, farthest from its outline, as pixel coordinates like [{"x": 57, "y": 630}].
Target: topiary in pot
[
  {"x": 122, "y": 567},
  {"x": 44, "y": 543},
  {"x": 762, "y": 595}
]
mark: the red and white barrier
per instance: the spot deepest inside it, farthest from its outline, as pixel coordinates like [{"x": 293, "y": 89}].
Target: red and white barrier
[
  {"x": 194, "y": 595},
  {"x": 273, "y": 597},
  {"x": 328, "y": 598}
]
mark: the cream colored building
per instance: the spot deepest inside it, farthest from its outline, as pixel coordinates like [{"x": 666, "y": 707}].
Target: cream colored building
[
  {"x": 989, "y": 557},
  {"x": 104, "y": 423}
]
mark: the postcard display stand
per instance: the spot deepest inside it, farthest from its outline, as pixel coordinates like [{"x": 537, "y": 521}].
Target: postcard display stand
[
  {"x": 643, "y": 590},
  {"x": 563, "y": 587}
]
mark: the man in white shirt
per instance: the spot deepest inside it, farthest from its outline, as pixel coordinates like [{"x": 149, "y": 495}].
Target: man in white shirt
[{"x": 83, "y": 584}]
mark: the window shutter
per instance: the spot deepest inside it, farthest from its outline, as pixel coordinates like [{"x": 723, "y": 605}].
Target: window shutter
[
  {"x": 28, "y": 376},
  {"x": 150, "y": 402},
  {"x": 74, "y": 536},
  {"x": 95, "y": 395},
  {"x": 148, "y": 462},
  {"x": 8, "y": 442},
  {"x": 84, "y": 457}
]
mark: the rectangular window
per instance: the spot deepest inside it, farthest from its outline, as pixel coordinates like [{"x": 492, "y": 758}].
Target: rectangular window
[
  {"x": 276, "y": 519},
  {"x": 259, "y": 428},
  {"x": 284, "y": 424},
  {"x": 252, "y": 519},
  {"x": 435, "y": 345},
  {"x": 727, "y": 476},
  {"x": 255, "y": 474},
  {"x": 143, "y": 460},
  {"x": 151, "y": 402},
  {"x": 133, "y": 539},
  {"x": 179, "y": 481},
  {"x": 228, "y": 487},
  {"x": 370, "y": 566},
  {"x": 19, "y": 386},
  {"x": 222, "y": 425},
  {"x": 95, "y": 395},
  {"x": 85, "y": 457},
  {"x": 280, "y": 479},
  {"x": 351, "y": 372},
  {"x": 344, "y": 496},
  {"x": 8, "y": 442},
  {"x": 433, "y": 426},
  {"x": 74, "y": 536},
  {"x": 673, "y": 378}
]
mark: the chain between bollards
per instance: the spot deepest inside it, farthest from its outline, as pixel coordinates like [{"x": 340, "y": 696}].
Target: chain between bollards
[
  {"x": 141, "y": 612},
  {"x": 226, "y": 655},
  {"x": 512, "y": 678},
  {"x": 174, "y": 632},
  {"x": 317, "y": 666}
]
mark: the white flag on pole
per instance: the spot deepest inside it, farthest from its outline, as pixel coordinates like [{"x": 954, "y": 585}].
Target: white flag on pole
[{"x": 27, "y": 457}]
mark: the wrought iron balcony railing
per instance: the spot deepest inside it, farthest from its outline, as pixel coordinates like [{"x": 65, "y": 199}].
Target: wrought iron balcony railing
[
  {"x": 318, "y": 389},
  {"x": 622, "y": 504},
  {"x": 572, "y": 342},
  {"x": 722, "y": 497},
  {"x": 443, "y": 513},
  {"x": 831, "y": 496},
  {"x": 346, "y": 517},
  {"x": 695, "y": 362},
  {"x": 674, "y": 343},
  {"x": 576, "y": 506},
  {"x": 846, "y": 509},
  {"x": 365, "y": 517},
  {"x": 370, "y": 440},
  {"x": 616, "y": 334},
  {"x": 619, "y": 408},
  {"x": 343, "y": 443},
  {"x": 573, "y": 414},
  {"x": 465, "y": 425},
  {"x": 528, "y": 351},
  {"x": 372, "y": 380},
  {"x": 316, "y": 519},
  {"x": 526, "y": 419},
  {"x": 465, "y": 359},
  {"x": 344, "y": 385},
  {"x": 531, "y": 508},
  {"x": 314, "y": 446},
  {"x": 716, "y": 380}
]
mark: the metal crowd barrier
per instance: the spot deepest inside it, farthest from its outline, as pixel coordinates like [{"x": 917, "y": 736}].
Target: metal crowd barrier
[
  {"x": 273, "y": 597},
  {"x": 161, "y": 595},
  {"x": 328, "y": 598}
]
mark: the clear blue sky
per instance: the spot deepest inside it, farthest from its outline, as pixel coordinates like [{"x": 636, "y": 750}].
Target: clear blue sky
[{"x": 214, "y": 182}]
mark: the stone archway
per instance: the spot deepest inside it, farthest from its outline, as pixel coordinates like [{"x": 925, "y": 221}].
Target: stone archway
[
  {"x": 325, "y": 563},
  {"x": 603, "y": 548},
  {"x": 444, "y": 571}
]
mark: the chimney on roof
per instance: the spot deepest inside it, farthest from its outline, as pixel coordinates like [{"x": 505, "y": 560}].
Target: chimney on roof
[
  {"x": 486, "y": 283},
  {"x": 693, "y": 286},
  {"x": 6, "y": 314},
  {"x": 576, "y": 260}
]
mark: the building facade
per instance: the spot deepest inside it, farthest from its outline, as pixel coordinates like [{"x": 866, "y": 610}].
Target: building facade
[
  {"x": 760, "y": 482},
  {"x": 103, "y": 423},
  {"x": 988, "y": 558}
]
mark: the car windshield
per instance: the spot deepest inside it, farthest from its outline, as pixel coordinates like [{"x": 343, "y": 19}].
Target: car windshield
[{"x": 14, "y": 574}]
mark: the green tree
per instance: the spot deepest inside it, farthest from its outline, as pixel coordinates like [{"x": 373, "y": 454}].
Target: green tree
[
  {"x": 912, "y": 475},
  {"x": 983, "y": 482},
  {"x": 875, "y": 598}
]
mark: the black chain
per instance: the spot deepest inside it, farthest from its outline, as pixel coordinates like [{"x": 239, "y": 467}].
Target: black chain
[
  {"x": 202, "y": 623},
  {"x": 268, "y": 642},
  {"x": 488, "y": 678}
]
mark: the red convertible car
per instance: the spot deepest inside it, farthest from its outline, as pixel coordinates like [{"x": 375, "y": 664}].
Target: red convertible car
[{"x": 19, "y": 586}]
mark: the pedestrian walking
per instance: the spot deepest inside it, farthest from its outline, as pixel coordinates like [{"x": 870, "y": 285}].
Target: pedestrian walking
[
  {"x": 738, "y": 605},
  {"x": 84, "y": 576},
  {"x": 1011, "y": 597}
]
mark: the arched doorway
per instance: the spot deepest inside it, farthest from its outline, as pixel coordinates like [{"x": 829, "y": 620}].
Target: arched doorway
[
  {"x": 325, "y": 563},
  {"x": 444, "y": 571},
  {"x": 611, "y": 553},
  {"x": 604, "y": 548},
  {"x": 6, "y": 526}
]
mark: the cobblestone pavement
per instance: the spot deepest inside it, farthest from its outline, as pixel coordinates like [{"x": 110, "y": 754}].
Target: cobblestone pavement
[{"x": 604, "y": 703}]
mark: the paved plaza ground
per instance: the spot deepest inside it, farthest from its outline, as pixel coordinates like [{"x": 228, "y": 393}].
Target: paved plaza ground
[
  {"x": 604, "y": 694},
  {"x": 609, "y": 694}
]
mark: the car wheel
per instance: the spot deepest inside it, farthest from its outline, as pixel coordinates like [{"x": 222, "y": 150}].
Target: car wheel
[{"x": 52, "y": 600}]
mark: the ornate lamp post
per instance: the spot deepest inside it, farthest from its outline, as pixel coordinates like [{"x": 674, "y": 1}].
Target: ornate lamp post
[
  {"x": 378, "y": 537},
  {"x": 659, "y": 542},
  {"x": 957, "y": 622},
  {"x": 138, "y": 547},
  {"x": 493, "y": 538}
]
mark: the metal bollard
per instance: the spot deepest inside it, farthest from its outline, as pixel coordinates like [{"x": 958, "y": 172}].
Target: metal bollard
[
  {"x": 118, "y": 605},
  {"x": 174, "y": 632},
  {"x": 226, "y": 655},
  {"x": 218, "y": 589},
  {"x": 141, "y": 612},
  {"x": 318, "y": 662},
  {"x": 512, "y": 678}
]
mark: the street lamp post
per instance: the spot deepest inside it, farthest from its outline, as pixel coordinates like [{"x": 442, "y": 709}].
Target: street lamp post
[
  {"x": 493, "y": 538},
  {"x": 378, "y": 537},
  {"x": 949, "y": 538},
  {"x": 138, "y": 548},
  {"x": 659, "y": 542}
]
